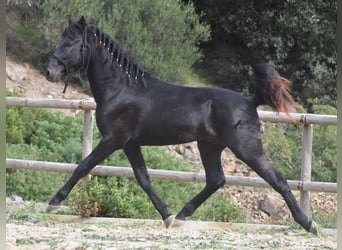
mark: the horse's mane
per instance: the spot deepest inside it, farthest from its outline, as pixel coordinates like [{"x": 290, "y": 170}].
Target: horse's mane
[{"x": 119, "y": 57}]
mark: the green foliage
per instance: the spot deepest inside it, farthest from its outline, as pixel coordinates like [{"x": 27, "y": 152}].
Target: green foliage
[
  {"x": 112, "y": 197},
  {"x": 44, "y": 137},
  {"x": 283, "y": 144},
  {"x": 162, "y": 35},
  {"x": 33, "y": 185},
  {"x": 324, "y": 149},
  {"x": 52, "y": 136},
  {"x": 122, "y": 197},
  {"x": 49, "y": 131},
  {"x": 219, "y": 208},
  {"x": 39, "y": 134},
  {"x": 25, "y": 38},
  {"x": 35, "y": 42},
  {"x": 167, "y": 38},
  {"x": 297, "y": 36},
  {"x": 26, "y": 213}
]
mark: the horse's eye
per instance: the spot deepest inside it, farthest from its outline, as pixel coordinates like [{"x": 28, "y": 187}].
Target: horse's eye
[{"x": 68, "y": 44}]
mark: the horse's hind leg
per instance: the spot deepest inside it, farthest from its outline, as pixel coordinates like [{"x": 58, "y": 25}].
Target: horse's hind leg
[
  {"x": 136, "y": 159},
  {"x": 211, "y": 159},
  {"x": 264, "y": 169},
  {"x": 248, "y": 148}
]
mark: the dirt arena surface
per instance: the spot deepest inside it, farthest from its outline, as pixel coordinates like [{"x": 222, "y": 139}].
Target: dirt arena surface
[{"x": 28, "y": 227}]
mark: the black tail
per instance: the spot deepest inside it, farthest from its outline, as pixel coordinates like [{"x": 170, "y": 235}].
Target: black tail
[{"x": 272, "y": 89}]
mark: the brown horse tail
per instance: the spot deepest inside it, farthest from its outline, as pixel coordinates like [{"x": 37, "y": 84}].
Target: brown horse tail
[{"x": 272, "y": 89}]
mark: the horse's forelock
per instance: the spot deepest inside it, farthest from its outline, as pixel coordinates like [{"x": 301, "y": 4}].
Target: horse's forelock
[{"x": 72, "y": 30}]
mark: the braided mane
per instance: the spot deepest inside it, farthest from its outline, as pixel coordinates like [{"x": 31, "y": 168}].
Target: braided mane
[{"x": 119, "y": 57}]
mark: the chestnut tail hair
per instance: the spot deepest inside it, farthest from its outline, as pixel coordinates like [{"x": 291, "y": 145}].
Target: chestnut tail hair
[{"x": 273, "y": 89}]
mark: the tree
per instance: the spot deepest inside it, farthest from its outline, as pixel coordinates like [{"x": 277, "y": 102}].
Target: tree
[
  {"x": 162, "y": 35},
  {"x": 297, "y": 36}
]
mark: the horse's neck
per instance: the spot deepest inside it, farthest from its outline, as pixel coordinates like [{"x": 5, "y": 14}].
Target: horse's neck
[
  {"x": 108, "y": 77},
  {"x": 104, "y": 81}
]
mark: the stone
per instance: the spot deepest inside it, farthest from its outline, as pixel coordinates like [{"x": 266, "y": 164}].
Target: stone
[
  {"x": 16, "y": 198},
  {"x": 270, "y": 204}
]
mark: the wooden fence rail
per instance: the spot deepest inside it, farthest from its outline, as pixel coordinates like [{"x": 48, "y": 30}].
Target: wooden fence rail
[
  {"x": 88, "y": 105},
  {"x": 167, "y": 175}
]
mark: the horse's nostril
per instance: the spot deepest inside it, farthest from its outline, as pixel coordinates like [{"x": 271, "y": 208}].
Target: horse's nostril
[{"x": 47, "y": 72}]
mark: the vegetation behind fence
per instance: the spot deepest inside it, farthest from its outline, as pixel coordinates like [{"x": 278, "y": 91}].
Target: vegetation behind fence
[{"x": 55, "y": 133}]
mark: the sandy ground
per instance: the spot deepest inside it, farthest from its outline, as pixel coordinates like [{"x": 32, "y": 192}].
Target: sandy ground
[{"x": 28, "y": 227}]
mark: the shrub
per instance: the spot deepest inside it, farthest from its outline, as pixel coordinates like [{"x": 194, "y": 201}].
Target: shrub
[
  {"x": 52, "y": 136},
  {"x": 162, "y": 35},
  {"x": 122, "y": 197},
  {"x": 32, "y": 185},
  {"x": 49, "y": 131},
  {"x": 283, "y": 146},
  {"x": 23, "y": 40},
  {"x": 39, "y": 134},
  {"x": 324, "y": 149}
]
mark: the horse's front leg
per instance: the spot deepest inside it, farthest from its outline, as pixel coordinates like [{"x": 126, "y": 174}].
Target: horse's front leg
[
  {"x": 101, "y": 151},
  {"x": 136, "y": 159}
]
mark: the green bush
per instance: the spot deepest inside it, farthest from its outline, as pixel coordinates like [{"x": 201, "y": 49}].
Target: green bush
[
  {"x": 52, "y": 136},
  {"x": 38, "y": 134},
  {"x": 49, "y": 131},
  {"x": 33, "y": 185},
  {"x": 122, "y": 197},
  {"x": 283, "y": 146},
  {"x": 25, "y": 37},
  {"x": 162, "y": 35},
  {"x": 324, "y": 149}
]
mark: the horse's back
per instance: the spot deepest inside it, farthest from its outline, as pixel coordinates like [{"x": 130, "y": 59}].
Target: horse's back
[{"x": 177, "y": 114}]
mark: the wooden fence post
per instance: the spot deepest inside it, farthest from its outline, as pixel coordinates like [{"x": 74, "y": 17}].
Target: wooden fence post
[
  {"x": 306, "y": 166},
  {"x": 87, "y": 139}
]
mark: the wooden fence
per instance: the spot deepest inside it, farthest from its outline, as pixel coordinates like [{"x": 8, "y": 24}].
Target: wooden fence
[{"x": 305, "y": 185}]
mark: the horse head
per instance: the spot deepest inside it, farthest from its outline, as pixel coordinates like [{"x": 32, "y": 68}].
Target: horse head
[{"x": 71, "y": 54}]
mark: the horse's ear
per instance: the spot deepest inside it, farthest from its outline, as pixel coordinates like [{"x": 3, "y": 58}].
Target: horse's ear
[{"x": 82, "y": 22}]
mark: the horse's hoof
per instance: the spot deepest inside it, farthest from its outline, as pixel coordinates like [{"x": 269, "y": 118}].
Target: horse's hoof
[
  {"x": 314, "y": 228},
  {"x": 169, "y": 221},
  {"x": 53, "y": 208}
]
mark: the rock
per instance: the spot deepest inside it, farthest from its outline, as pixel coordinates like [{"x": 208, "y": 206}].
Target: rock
[
  {"x": 270, "y": 204},
  {"x": 15, "y": 74},
  {"x": 16, "y": 198},
  {"x": 252, "y": 174},
  {"x": 233, "y": 199},
  {"x": 230, "y": 168}
]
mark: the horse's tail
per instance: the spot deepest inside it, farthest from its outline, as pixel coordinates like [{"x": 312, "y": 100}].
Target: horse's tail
[{"x": 272, "y": 89}]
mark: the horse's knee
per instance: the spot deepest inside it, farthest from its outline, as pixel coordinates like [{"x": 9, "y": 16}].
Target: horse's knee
[
  {"x": 216, "y": 183},
  {"x": 221, "y": 182},
  {"x": 81, "y": 171}
]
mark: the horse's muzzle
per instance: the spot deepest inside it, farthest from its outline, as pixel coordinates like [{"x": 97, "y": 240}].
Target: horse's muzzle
[{"x": 54, "y": 70}]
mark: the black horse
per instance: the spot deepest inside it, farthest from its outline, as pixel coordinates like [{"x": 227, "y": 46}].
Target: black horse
[{"x": 135, "y": 108}]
